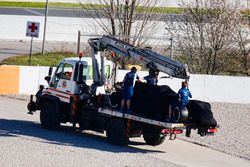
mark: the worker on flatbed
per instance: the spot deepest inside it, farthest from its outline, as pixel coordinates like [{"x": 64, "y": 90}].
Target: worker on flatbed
[
  {"x": 128, "y": 88},
  {"x": 152, "y": 78}
]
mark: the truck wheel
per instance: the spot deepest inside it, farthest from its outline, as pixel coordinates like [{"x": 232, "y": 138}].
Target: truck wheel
[
  {"x": 176, "y": 114},
  {"x": 84, "y": 120},
  {"x": 49, "y": 116},
  {"x": 153, "y": 139},
  {"x": 116, "y": 132}
]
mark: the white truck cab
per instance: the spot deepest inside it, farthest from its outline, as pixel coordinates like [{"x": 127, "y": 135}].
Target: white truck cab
[{"x": 70, "y": 72}]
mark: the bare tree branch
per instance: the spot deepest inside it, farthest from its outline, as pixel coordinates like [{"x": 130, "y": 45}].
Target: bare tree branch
[
  {"x": 205, "y": 34},
  {"x": 128, "y": 19}
]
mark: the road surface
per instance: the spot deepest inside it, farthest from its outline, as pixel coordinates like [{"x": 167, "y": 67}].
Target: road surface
[
  {"x": 23, "y": 142},
  {"x": 75, "y": 13},
  {"x": 61, "y": 33},
  {"x": 15, "y": 48},
  {"x": 169, "y": 3}
]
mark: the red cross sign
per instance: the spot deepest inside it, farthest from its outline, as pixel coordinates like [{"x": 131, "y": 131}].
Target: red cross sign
[{"x": 32, "y": 29}]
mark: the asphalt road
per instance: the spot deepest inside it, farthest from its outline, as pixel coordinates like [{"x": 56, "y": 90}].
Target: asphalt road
[
  {"x": 15, "y": 48},
  {"x": 24, "y": 143},
  {"x": 61, "y": 12},
  {"x": 75, "y": 12}
]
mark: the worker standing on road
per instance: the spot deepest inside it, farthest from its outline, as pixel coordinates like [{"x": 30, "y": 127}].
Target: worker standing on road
[
  {"x": 128, "y": 88},
  {"x": 152, "y": 78},
  {"x": 184, "y": 94}
]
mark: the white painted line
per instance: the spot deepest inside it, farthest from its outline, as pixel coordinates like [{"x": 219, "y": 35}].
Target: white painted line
[{"x": 34, "y": 12}]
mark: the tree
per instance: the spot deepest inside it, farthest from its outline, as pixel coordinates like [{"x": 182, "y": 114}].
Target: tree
[
  {"x": 132, "y": 21},
  {"x": 241, "y": 36},
  {"x": 208, "y": 34}
]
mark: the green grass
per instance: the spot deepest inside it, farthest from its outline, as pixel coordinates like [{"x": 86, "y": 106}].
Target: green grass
[
  {"x": 174, "y": 10},
  {"x": 83, "y": 6},
  {"x": 48, "y": 59},
  {"x": 162, "y": 10},
  {"x": 37, "y": 4},
  {"x": 50, "y": 4},
  {"x": 246, "y": 12}
]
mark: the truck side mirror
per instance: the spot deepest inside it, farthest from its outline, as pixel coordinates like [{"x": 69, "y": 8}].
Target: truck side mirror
[
  {"x": 47, "y": 78},
  {"x": 50, "y": 71}
]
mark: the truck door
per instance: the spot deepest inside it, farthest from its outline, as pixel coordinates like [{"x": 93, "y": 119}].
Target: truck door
[{"x": 62, "y": 81}]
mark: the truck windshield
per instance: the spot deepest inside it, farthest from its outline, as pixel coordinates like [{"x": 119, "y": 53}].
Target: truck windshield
[{"x": 88, "y": 71}]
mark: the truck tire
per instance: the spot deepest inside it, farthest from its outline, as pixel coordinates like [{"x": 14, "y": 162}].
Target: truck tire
[
  {"x": 116, "y": 132},
  {"x": 84, "y": 120},
  {"x": 153, "y": 139},
  {"x": 49, "y": 116}
]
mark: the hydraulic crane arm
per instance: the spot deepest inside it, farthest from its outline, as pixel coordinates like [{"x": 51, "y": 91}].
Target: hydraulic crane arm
[{"x": 145, "y": 56}]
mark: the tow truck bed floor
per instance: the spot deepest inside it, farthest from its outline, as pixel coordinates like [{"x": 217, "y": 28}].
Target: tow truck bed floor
[{"x": 141, "y": 119}]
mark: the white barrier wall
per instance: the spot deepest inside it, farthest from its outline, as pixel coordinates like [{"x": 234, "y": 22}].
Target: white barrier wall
[
  {"x": 203, "y": 87},
  {"x": 31, "y": 78}
]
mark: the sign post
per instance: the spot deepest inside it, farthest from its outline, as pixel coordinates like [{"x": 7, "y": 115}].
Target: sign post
[
  {"x": 32, "y": 30},
  {"x": 31, "y": 43}
]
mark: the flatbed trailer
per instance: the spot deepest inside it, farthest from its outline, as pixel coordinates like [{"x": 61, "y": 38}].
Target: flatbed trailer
[
  {"x": 138, "y": 118},
  {"x": 153, "y": 131},
  {"x": 120, "y": 127}
]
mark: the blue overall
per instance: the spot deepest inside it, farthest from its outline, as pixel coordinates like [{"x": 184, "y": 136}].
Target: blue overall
[
  {"x": 128, "y": 85},
  {"x": 151, "y": 80},
  {"x": 184, "y": 94}
]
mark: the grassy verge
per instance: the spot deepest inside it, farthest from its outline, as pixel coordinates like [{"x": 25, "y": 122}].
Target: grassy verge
[
  {"x": 83, "y": 6},
  {"x": 36, "y": 4},
  {"x": 173, "y": 10},
  {"x": 246, "y": 12},
  {"x": 49, "y": 59}
]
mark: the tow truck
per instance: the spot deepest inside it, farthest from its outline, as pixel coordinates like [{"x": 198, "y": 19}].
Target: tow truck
[{"x": 70, "y": 97}]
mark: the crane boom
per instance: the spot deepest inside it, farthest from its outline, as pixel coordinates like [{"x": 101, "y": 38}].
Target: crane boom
[{"x": 145, "y": 56}]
